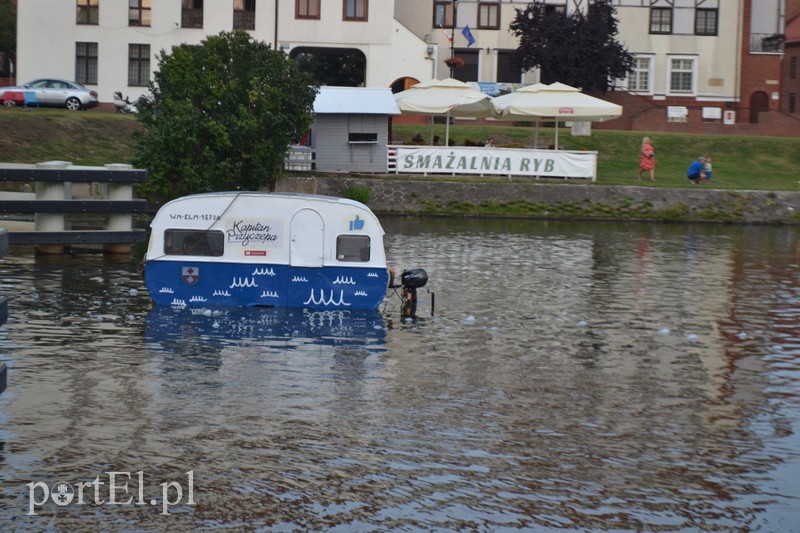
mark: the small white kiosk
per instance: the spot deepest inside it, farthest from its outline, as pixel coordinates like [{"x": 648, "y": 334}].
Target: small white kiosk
[{"x": 351, "y": 129}]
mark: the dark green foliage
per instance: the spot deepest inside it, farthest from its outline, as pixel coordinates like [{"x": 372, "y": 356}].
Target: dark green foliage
[
  {"x": 359, "y": 193},
  {"x": 576, "y": 49},
  {"x": 417, "y": 139},
  {"x": 221, "y": 117},
  {"x": 336, "y": 67},
  {"x": 8, "y": 30}
]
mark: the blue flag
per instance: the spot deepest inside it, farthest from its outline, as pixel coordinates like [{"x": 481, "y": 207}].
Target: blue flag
[{"x": 468, "y": 36}]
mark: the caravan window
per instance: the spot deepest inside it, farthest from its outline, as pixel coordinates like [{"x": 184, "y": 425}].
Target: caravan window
[
  {"x": 194, "y": 242},
  {"x": 352, "y": 248}
]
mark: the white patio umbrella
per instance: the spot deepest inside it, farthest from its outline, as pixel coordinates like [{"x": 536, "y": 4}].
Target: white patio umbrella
[
  {"x": 448, "y": 97},
  {"x": 556, "y": 101},
  {"x": 502, "y": 102}
]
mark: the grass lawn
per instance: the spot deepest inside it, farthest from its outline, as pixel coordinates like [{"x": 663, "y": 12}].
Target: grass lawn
[
  {"x": 740, "y": 162},
  {"x": 762, "y": 163},
  {"x": 82, "y": 137}
]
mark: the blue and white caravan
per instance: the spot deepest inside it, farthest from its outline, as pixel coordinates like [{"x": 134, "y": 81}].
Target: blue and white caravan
[{"x": 266, "y": 249}]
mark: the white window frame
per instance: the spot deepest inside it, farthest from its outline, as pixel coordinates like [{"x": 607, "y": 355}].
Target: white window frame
[
  {"x": 693, "y": 71},
  {"x": 648, "y": 70}
]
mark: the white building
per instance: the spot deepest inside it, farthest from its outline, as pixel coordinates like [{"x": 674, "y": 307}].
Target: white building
[
  {"x": 112, "y": 47},
  {"x": 694, "y": 51}
]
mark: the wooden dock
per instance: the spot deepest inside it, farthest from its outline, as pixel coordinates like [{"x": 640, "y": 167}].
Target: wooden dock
[
  {"x": 106, "y": 191},
  {"x": 3, "y": 308}
]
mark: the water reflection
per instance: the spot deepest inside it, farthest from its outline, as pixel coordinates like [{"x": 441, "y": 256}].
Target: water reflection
[
  {"x": 574, "y": 377},
  {"x": 210, "y": 329}
]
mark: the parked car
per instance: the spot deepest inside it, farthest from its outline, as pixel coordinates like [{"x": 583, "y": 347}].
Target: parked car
[{"x": 52, "y": 92}]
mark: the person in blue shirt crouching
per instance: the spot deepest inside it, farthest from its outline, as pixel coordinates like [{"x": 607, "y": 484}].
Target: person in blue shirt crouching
[{"x": 697, "y": 170}]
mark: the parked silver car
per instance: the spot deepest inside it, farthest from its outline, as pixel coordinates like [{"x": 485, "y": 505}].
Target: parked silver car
[{"x": 51, "y": 92}]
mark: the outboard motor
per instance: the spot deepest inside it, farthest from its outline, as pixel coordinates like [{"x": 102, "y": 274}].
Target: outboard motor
[
  {"x": 414, "y": 279},
  {"x": 411, "y": 280}
]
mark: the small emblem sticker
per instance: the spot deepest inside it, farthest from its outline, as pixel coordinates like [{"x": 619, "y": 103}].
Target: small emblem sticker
[{"x": 190, "y": 275}]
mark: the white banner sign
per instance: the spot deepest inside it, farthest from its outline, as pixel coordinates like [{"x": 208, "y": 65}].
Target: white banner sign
[{"x": 496, "y": 161}]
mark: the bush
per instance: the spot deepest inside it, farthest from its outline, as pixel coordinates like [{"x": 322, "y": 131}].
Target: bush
[
  {"x": 416, "y": 140},
  {"x": 359, "y": 193}
]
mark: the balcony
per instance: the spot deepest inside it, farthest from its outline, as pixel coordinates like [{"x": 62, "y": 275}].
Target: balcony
[
  {"x": 191, "y": 18},
  {"x": 769, "y": 43},
  {"x": 244, "y": 20}
]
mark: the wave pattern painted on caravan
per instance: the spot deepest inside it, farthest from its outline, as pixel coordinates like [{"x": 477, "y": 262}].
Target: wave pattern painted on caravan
[
  {"x": 328, "y": 301},
  {"x": 274, "y": 285}
]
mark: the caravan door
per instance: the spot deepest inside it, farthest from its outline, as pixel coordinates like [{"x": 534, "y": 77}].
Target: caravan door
[{"x": 308, "y": 243}]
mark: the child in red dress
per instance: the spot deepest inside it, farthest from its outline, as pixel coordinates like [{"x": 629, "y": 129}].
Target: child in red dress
[{"x": 647, "y": 161}]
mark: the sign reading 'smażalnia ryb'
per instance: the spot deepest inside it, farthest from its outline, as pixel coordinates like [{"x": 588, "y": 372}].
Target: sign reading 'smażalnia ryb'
[{"x": 497, "y": 161}]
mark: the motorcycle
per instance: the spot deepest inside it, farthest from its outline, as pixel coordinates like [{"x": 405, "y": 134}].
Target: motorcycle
[{"x": 124, "y": 105}]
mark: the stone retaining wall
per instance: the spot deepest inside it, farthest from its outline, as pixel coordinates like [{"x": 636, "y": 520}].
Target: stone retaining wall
[{"x": 536, "y": 199}]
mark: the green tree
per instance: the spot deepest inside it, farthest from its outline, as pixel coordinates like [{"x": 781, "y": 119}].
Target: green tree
[
  {"x": 576, "y": 49},
  {"x": 8, "y": 33},
  {"x": 220, "y": 116}
]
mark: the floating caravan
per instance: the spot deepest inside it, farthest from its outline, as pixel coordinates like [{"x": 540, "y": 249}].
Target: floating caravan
[{"x": 266, "y": 249}]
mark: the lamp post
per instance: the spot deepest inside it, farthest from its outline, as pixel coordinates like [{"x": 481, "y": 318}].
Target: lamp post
[{"x": 453, "y": 38}]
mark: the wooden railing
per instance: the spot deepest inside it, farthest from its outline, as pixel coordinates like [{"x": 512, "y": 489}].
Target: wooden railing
[{"x": 109, "y": 191}]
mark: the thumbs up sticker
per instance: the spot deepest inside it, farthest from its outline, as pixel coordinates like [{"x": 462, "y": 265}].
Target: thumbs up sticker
[{"x": 356, "y": 224}]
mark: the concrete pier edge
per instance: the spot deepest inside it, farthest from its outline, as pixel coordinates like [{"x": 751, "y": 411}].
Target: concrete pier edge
[{"x": 530, "y": 198}]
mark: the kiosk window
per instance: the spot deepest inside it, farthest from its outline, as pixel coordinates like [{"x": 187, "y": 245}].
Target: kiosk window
[
  {"x": 352, "y": 248},
  {"x": 362, "y": 138},
  {"x": 194, "y": 242}
]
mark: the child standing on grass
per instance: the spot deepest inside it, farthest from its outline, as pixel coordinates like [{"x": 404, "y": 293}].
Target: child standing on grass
[{"x": 647, "y": 160}]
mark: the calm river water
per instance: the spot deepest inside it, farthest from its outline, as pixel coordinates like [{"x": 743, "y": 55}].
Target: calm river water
[{"x": 574, "y": 376}]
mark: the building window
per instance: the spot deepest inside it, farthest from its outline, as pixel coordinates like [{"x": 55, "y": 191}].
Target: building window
[
  {"x": 138, "y": 65},
  {"x": 88, "y": 11},
  {"x": 793, "y": 68},
  {"x": 489, "y": 16},
  {"x": 550, "y": 9},
  {"x": 138, "y": 12},
  {"x": 792, "y": 103},
  {"x": 443, "y": 14},
  {"x": 507, "y": 69},
  {"x": 639, "y": 78},
  {"x": 681, "y": 75},
  {"x": 306, "y": 9},
  {"x": 244, "y": 14},
  {"x": 469, "y": 72},
  {"x": 661, "y": 20},
  {"x": 355, "y": 9},
  {"x": 192, "y": 14},
  {"x": 705, "y": 21},
  {"x": 86, "y": 63}
]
